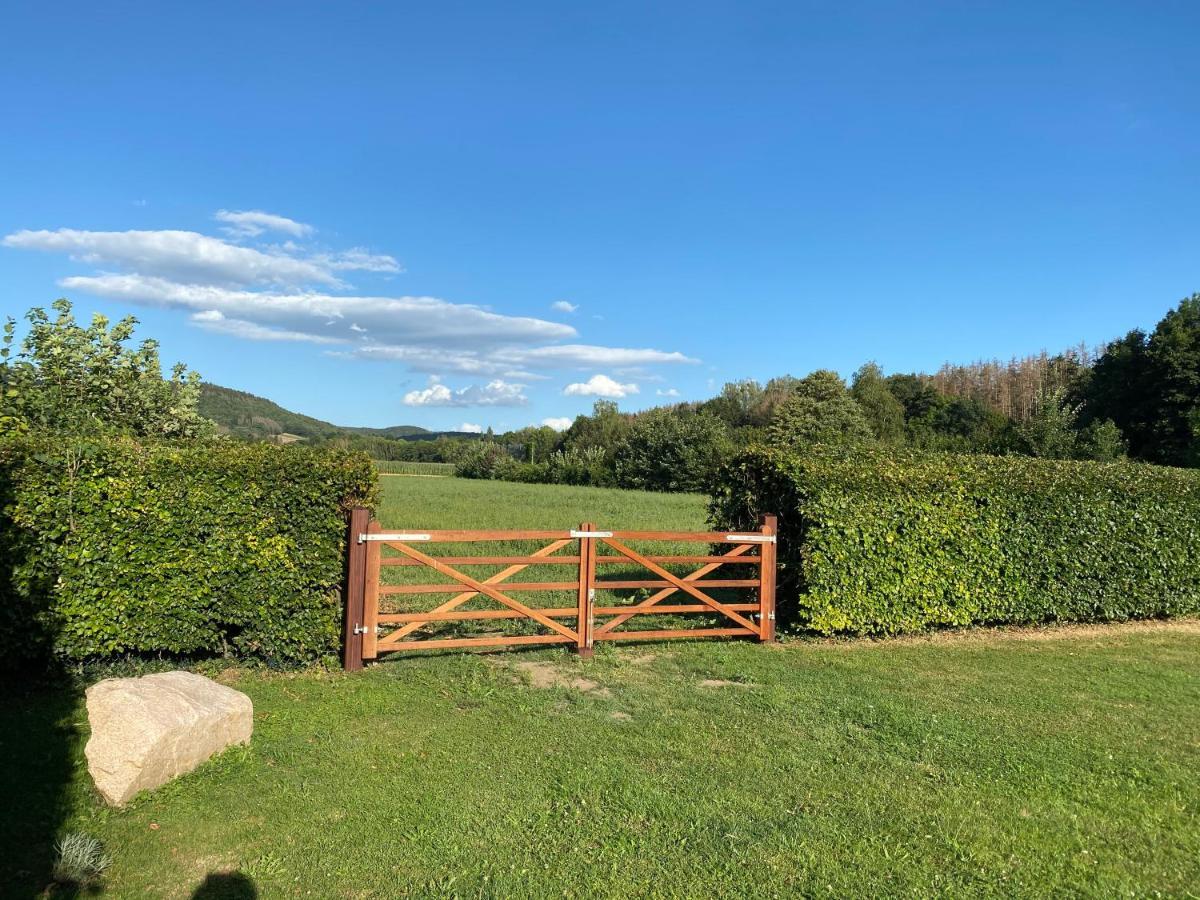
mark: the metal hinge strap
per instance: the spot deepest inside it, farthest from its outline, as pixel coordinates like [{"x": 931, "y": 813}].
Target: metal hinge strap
[{"x": 363, "y": 538}]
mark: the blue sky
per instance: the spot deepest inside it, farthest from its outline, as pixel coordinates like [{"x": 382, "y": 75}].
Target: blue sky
[{"x": 708, "y": 192}]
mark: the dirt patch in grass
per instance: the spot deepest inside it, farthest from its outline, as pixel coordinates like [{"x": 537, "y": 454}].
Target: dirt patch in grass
[
  {"x": 546, "y": 675},
  {"x": 1013, "y": 633},
  {"x": 723, "y": 683},
  {"x": 642, "y": 659}
]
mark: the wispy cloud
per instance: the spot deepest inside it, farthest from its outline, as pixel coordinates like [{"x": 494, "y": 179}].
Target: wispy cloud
[
  {"x": 253, "y": 222},
  {"x": 215, "y": 321},
  {"x": 669, "y": 392},
  {"x": 185, "y": 256},
  {"x": 558, "y": 423},
  {"x": 563, "y": 306},
  {"x": 494, "y": 393},
  {"x": 359, "y": 260},
  {"x": 470, "y": 428},
  {"x": 415, "y": 320},
  {"x": 600, "y": 386}
]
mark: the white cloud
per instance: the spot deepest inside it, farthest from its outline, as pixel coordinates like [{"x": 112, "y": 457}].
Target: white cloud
[
  {"x": 415, "y": 320},
  {"x": 564, "y": 306},
  {"x": 360, "y": 260},
  {"x": 515, "y": 362},
  {"x": 558, "y": 423},
  {"x": 586, "y": 356},
  {"x": 177, "y": 255},
  {"x": 215, "y": 321},
  {"x": 600, "y": 386},
  {"x": 287, "y": 292},
  {"x": 470, "y": 428},
  {"x": 669, "y": 392},
  {"x": 253, "y": 222},
  {"x": 494, "y": 393}
]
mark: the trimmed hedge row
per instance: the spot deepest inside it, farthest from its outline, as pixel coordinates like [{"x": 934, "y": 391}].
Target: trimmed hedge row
[
  {"x": 116, "y": 546},
  {"x": 877, "y": 543}
]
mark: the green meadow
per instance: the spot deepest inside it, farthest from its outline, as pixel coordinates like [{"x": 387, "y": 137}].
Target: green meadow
[{"x": 986, "y": 763}]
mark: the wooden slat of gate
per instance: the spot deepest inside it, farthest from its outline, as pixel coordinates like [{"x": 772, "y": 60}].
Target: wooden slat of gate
[
  {"x": 565, "y": 560},
  {"x": 542, "y": 586},
  {"x": 554, "y": 612}
]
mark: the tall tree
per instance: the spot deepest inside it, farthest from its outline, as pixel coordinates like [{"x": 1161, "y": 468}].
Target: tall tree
[
  {"x": 1149, "y": 385},
  {"x": 884, "y": 413},
  {"x": 68, "y": 378},
  {"x": 820, "y": 411}
]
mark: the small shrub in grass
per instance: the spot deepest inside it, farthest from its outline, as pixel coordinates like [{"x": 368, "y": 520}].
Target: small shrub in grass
[
  {"x": 879, "y": 542},
  {"x": 116, "y": 546},
  {"x": 80, "y": 860}
]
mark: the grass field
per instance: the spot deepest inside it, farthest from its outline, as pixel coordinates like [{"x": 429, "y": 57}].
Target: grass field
[
  {"x": 398, "y": 467},
  {"x": 991, "y": 763},
  {"x": 464, "y": 503}
]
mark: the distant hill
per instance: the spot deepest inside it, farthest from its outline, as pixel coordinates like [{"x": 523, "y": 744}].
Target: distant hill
[
  {"x": 255, "y": 418},
  {"x": 396, "y": 431}
]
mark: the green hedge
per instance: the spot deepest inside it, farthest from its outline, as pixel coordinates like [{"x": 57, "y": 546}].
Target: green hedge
[
  {"x": 116, "y": 547},
  {"x": 877, "y": 543}
]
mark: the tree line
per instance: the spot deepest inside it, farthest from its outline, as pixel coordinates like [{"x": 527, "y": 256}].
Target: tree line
[{"x": 1136, "y": 397}]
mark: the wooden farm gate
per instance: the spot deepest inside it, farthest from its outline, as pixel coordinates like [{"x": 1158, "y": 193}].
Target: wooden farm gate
[{"x": 370, "y": 631}]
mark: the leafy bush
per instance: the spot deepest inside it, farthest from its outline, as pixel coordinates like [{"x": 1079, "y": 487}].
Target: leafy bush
[
  {"x": 879, "y": 543},
  {"x": 669, "y": 451},
  {"x": 486, "y": 459},
  {"x": 114, "y": 546},
  {"x": 580, "y": 466}
]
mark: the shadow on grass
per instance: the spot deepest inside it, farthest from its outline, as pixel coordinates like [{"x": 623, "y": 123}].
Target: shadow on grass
[
  {"x": 226, "y": 886},
  {"x": 37, "y": 755}
]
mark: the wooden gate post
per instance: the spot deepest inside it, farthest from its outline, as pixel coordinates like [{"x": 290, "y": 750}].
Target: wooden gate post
[
  {"x": 356, "y": 577},
  {"x": 587, "y": 592},
  {"x": 769, "y": 525}
]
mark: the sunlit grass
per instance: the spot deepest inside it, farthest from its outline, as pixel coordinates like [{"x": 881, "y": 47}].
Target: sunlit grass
[{"x": 980, "y": 765}]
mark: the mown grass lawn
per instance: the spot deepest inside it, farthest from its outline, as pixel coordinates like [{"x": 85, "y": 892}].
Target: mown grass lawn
[
  {"x": 984, "y": 764},
  {"x": 413, "y": 503}
]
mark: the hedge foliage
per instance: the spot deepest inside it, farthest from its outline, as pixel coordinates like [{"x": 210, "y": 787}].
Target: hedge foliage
[
  {"x": 872, "y": 542},
  {"x": 117, "y": 546}
]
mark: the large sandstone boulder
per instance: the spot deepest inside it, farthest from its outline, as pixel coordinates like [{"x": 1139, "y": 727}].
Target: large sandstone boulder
[{"x": 147, "y": 730}]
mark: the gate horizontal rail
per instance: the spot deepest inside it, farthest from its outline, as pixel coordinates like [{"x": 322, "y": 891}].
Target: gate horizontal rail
[{"x": 371, "y": 631}]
